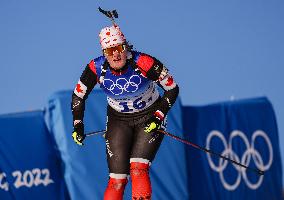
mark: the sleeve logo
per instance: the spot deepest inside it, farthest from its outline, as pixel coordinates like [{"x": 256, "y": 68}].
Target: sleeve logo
[
  {"x": 80, "y": 89},
  {"x": 168, "y": 82}
]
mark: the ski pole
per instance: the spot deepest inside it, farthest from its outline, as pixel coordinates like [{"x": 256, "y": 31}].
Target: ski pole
[
  {"x": 95, "y": 133},
  {"x": 257, "y": 171}
]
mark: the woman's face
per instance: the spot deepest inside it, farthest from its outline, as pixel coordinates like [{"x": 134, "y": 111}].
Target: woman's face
[{"x": 116, "y": 56}]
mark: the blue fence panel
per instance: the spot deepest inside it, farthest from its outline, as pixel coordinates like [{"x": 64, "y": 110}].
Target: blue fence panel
[
  {"x": 30, "y": 167},
  {"x": 86, "y": 171},
  {"x": 244, "y": 131}
]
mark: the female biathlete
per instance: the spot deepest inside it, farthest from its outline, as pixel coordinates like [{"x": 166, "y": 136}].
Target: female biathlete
[{"x": 135, "y": 110}]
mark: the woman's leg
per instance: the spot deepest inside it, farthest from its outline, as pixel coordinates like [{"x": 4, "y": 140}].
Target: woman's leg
[
  {"x": 118, "y": 148},
  {"x": 143, "y": 153}
]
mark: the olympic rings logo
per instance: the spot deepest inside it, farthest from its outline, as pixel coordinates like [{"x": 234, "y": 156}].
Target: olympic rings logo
[
  {"x": 122, "y": 84},
  {"x": 250, "y": 154}
]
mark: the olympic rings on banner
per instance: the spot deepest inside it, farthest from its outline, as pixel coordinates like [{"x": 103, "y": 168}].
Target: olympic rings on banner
[{"x": 250, "y": 154}]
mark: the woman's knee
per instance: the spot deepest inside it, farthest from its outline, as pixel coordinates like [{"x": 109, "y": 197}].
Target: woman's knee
[
  {"x": 141, "y": 184},
  {"x": 115, "y": 187}
]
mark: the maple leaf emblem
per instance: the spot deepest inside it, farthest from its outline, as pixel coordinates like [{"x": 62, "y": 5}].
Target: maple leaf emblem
[
  {"x": 78, "y": 88},
  {"x": 170, "y": 81}
]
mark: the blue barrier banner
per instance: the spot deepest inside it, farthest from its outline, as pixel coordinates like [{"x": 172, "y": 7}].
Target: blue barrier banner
[
  {"x": 86, "y": 171},
  {"x": 30, "y": 167},
  {"x": 244, "y": 131}
]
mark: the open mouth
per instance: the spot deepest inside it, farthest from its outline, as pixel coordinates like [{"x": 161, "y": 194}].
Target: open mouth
[{"x": 116, "y": 60}]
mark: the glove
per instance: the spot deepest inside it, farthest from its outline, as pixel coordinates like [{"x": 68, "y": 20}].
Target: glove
[
  {"x": 78, "y": 133},
  {"x": 154, "y": 123}
]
